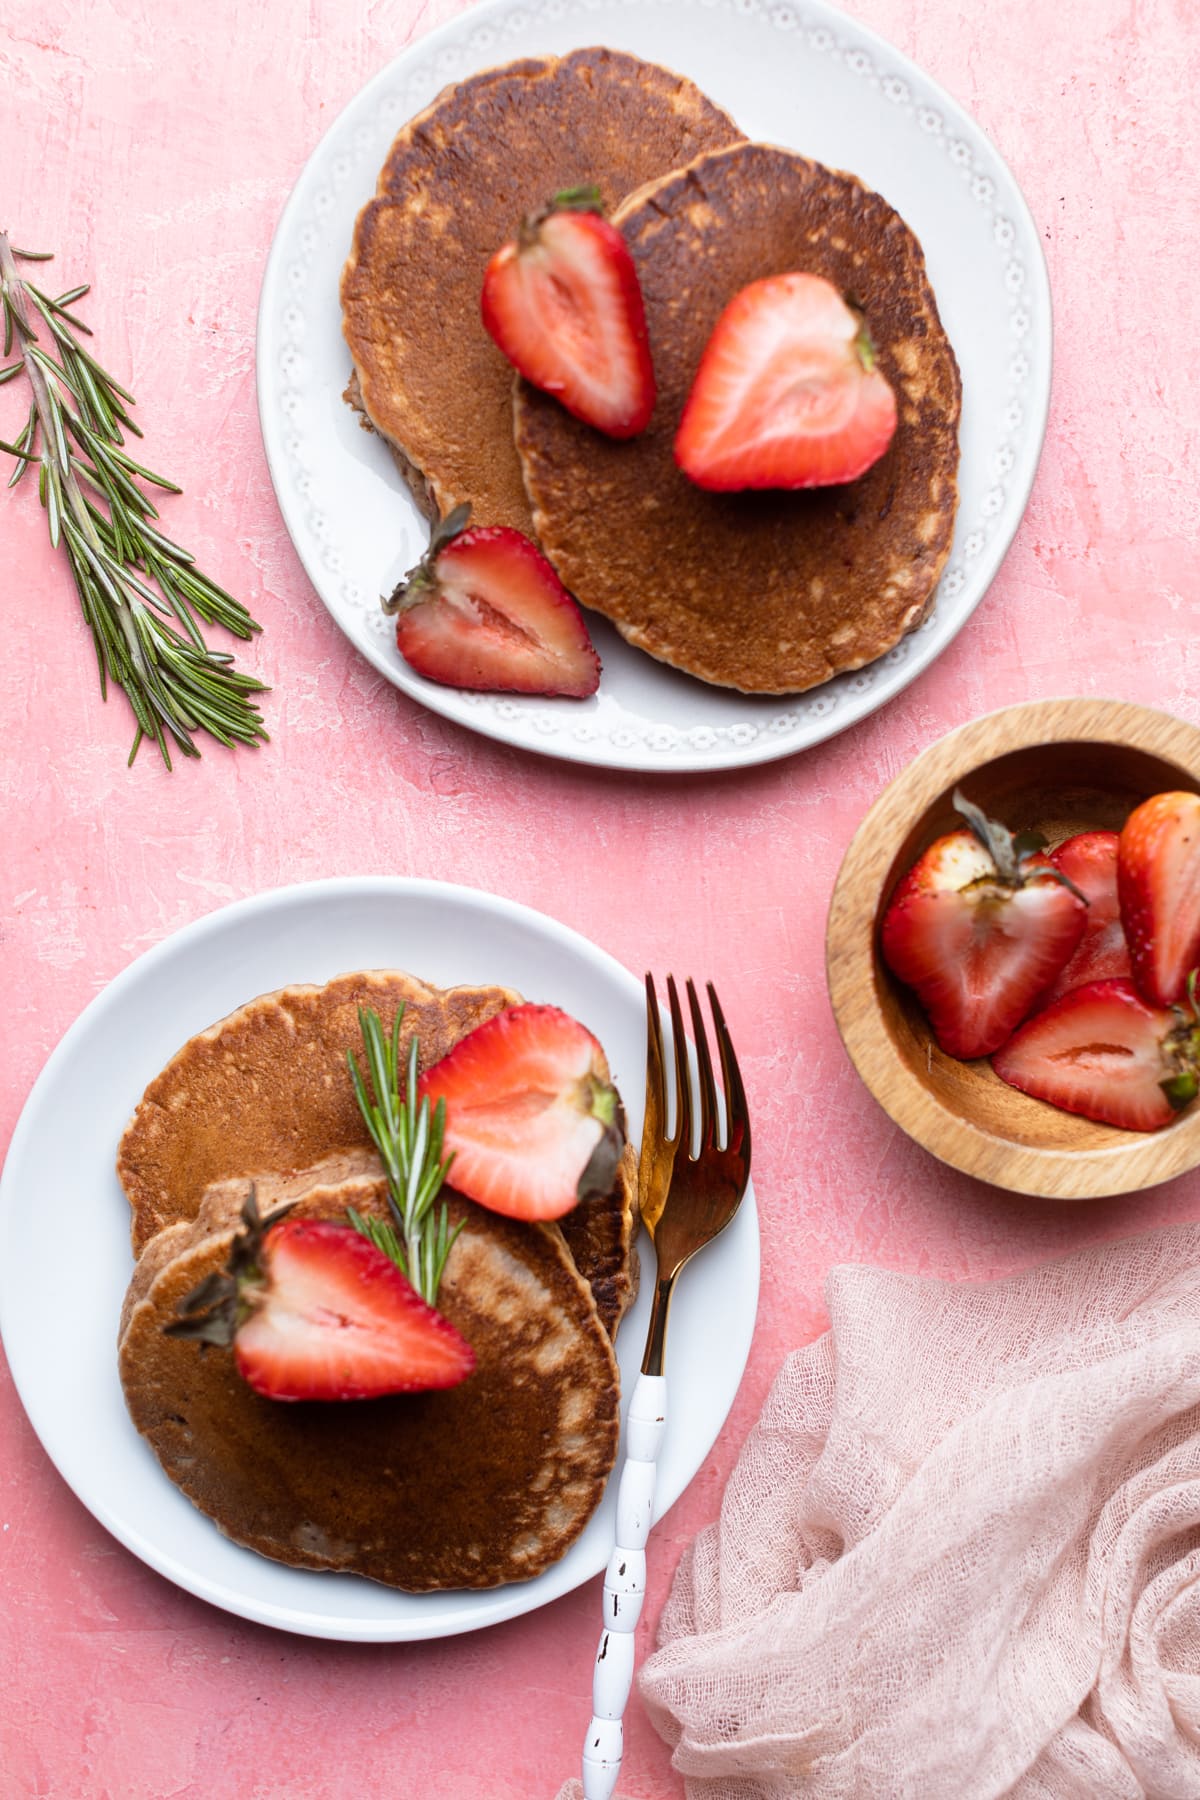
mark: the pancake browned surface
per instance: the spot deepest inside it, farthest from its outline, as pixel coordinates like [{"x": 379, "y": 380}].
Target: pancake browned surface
[
  {"x": 485, "y": 1483},
  {"x": 267, "y": 1091},
  {"x": 766, "y": 592},
  {"x": 220, "y": 1203},
  {"x": 600, "y": 1234},
  {"x": 456, "y": 185}
]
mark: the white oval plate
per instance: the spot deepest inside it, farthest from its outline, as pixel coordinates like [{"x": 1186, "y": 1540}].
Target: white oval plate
[
  {"x": 65, "y": 1260},
  {"x": 802, "y": 76}
]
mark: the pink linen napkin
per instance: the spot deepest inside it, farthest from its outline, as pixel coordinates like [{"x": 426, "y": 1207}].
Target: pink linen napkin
[{"x": 959, "y": 1556}]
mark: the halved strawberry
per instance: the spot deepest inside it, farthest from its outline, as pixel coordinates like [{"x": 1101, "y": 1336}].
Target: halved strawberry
[
  {"x": 532, "y": 1117},
  {"x": 1090, "y": 861},
  {"x": 484, "y": 609},
  {"x": 563, "y": 303},
  {"x": 1106, "y": 1053},
  {"x": 787, "y": 394},
  {"x": 979, "y": 927},
  {"x": 315, "y": 1312},
  {"x": 1158, "y": 878}
]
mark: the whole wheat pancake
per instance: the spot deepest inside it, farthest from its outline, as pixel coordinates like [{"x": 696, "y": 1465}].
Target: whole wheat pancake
[
  {"x": 266, "y": 1092},
  {"x": 456, "y": 185},
  {"x": 347, "y": 1171},
  {"x": 600, "y": 1234},
  {"x": 267, "y": 1088},
  {"x": 766, "y": 592},
  {"x": 470, "y": 1487}
]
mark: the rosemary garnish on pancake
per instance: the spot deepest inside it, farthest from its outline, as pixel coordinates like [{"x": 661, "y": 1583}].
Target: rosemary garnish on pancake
[
  {"x": 408, "y": 1137},
  {"x": 141, "y": 594}
]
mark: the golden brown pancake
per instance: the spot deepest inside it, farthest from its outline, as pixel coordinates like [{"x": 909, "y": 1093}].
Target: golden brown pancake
[
  {"x": 600, "y": 1234},
  {"x": 268, "y": 1088},
  {"x": 266, "y": 1091},
  {"x": 485, "y": 1483},
  {"x": 346, "y": 1171},
  {"x": 768, "y": 592},
  {"x": 456, "y": 185}
]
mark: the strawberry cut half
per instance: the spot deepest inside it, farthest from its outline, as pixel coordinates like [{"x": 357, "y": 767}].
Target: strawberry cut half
[
  {"x": 980, "y": 927},
  {"x": 563, "y": 303},
  {"x": 1158, "y": 878},
  {"x": 314, "y": 1311},
  {"x": 484, "y": 609},
  {"x": 1107, "y": 1054},
  {"x": 787, "y": 394},
  {"x": 1090, "y": 861},
  {"x": 532, "y": 1118}
]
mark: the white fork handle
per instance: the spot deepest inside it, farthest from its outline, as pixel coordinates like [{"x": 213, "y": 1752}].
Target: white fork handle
[{"x": 624, "y": 1588}]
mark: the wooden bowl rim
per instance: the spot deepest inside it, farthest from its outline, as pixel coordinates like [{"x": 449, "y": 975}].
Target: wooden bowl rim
[{"x": 853, "y": 965}]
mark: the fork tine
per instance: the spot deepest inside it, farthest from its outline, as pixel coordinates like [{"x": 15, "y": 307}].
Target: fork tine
[
  {"x": 737, "y": 1112},
  {"x": 709, "y": 1121},
  {"x": 654, "y": 1053},
  {"x": 655, "y": 1077},
  {"x": 683, "y": 1074},
  {"x": 657, "y": 1155}
]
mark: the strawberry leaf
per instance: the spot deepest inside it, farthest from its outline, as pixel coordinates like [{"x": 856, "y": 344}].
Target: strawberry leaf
[
  {"x": 1181, "y": 1089},
  {"x": 1011, "y": 855},
  {"x": 578, "y": 199},
  {"x": 422, "y": 576},
  {"x": 996, "y": 838},
  {"x": 213, "y": 1311}
]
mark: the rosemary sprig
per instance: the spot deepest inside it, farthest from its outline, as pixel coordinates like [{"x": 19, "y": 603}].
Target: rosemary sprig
[
  {"x": 140, "y": 593},
  {"x": 409, "y": 1141}
]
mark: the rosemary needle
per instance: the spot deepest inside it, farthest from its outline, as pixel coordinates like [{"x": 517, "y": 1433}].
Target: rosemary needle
[
  {"x": 141, "y": 595},
  {"x": 409, "y": 1140}
]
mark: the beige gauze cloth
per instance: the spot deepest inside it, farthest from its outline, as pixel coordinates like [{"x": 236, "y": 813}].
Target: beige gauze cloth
[{"x": 959, "y": 1555}]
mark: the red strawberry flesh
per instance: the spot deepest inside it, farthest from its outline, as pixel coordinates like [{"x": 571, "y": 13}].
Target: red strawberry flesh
[
  {"x": 531, "y": 1115},
  {"x": 491, "y": 614},
  {"x": 979, "y": 961},
  {"x": 979, "y": 946},
  {"x": 1158, "y": 878},
  {"x": 950, "y": 864},
  {"x": 1090, "y": 861},
  {"x": 564, "y": 305},
  {"x": 1107, "y": 1054},
  {"x": 334, "y": 1319},
  {"x": 787, "y": 394}
]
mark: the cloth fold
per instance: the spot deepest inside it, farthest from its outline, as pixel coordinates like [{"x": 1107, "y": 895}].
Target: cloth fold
[{"x": 959, "y": 1556}]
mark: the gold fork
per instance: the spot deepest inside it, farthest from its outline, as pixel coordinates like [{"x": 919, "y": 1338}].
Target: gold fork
[{"x": 687, "y": 1197}]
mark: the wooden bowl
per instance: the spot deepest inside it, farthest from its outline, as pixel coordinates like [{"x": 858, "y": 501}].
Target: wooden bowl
[{"x": 1057, "y": 766}]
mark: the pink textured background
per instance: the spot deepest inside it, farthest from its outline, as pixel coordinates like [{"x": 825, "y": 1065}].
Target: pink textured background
[{"x": 153, "y": 147}]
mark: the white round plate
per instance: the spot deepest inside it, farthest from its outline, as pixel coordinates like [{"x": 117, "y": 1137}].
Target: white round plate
[
  {"x": 800, "y": 75},
  {"x": 64, "y": 1229}
]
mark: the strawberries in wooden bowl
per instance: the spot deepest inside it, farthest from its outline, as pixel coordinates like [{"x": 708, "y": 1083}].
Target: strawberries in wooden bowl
[{"x": 1112, "y": 791}]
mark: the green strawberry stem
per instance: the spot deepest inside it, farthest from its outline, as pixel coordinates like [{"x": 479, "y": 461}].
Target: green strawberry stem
[
  {"x": 1013, "y": 856},
  {"x": 409, "y": 1140},
  {"x": 225, "y": 1298},
  {"x": 1183, "y": 1047},
  {"x": 1181, "y": 1089},
  {"x": 410, "y": 589},
  {"x": 578, "y": 199}
]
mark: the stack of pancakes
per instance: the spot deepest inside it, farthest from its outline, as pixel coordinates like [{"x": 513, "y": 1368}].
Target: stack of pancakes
[
  {"x": 456, "y": 184},
  {"x": 764, "y": 592},
  {"x": 470, "y": 1487}
]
